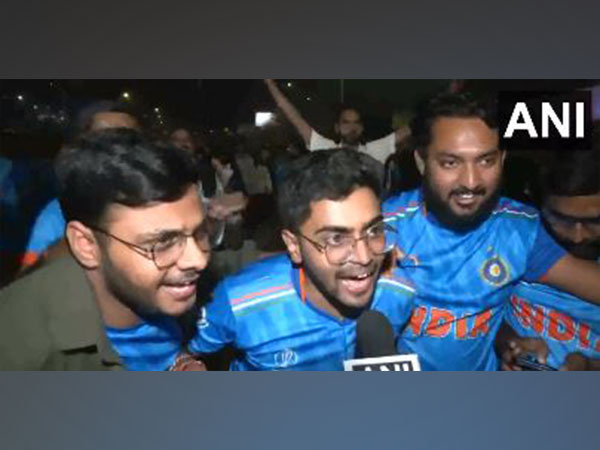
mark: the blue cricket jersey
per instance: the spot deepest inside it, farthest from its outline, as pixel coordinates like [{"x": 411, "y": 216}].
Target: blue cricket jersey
[
  {"x": 463, "y": 280},
  {"x": 567, "y": 323},
  {"x": 152, "y": 345},
  {"x": 261, "y": 313}
]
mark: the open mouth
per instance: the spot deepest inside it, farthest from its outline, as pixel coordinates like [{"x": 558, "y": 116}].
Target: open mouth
[
  {"x": 182, "y": 290},
  {"x": 359, "y": 283},
  {"x": 466, "y": 200}
]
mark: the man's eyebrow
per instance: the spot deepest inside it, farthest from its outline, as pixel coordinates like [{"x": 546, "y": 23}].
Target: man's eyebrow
[
  {"x": 163, "y": 233},
  {"x": 333, "y": 229},
  {"x": 489, "y": 153},
  {"x": 156, "y": 234},
  {"x": 570, "y": 217},
  {"x": 340, "y": 229},
  {"x": 447, "y": 154},
  {"x": 372, "y": 222}
]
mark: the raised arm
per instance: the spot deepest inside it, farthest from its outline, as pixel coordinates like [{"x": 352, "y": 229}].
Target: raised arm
[{"x": 290, "y": 111}]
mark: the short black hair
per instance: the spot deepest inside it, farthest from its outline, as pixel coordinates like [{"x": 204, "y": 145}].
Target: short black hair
[
  {"x": 574, "y": 173},
  {"x": 119, "y": 166},
  {"x": 325, "y": 174},
  {"x": 85, "y": 116},
  {"x": 461, "y": 105}
]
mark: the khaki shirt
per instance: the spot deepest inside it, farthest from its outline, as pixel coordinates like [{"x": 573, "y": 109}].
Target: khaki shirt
[{"x": 49, "y": 321}]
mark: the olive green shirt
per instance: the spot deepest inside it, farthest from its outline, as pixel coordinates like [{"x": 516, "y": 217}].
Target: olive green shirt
[{"x": 49, "y": 320}]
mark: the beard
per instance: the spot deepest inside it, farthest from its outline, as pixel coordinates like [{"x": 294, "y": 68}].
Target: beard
[
  {"x": 127, "y": 293},
  {"x": 588, "y": 250},
  {"x": 441, "y": 209},
  {"x": 320, "y": 282}
]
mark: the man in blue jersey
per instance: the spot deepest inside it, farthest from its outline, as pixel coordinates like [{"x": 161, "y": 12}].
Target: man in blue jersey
[
  {"x": 463, "y": 246},
  {"x": 139, "y": 239},
  {"x": 553, "y": 327},
  {"x": 298, "y": 311}
]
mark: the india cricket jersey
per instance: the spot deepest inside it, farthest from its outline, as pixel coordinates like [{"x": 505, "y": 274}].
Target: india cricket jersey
[
  {"x": 567, "y": 323},
  {"x": 152, "y": 345},
  {"x": 463, "y": 280},
  {"x": 261, "y": 312}
]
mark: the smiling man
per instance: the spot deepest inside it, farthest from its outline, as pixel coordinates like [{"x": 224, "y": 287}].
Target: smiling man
[
  {"x": 140, "y": 240},
  {"x": 463, "y": 245},
  {"x": 298, "y": 311}
]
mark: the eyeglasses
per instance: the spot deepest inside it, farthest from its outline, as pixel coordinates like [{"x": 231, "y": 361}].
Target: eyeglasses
[
  {"x": 591, "y": 224},
  {"x": 339, "y": 248},
  {"x": 167, "y": 249}
]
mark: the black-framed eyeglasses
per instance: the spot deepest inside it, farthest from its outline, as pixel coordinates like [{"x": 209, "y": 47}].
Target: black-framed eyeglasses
[
  {"x": 167, "y": 249},
  {"x": 339, "y": 248},
  {"x": 591, "y": 224}
]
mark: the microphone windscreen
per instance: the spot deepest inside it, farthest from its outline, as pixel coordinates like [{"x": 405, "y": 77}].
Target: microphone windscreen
[{"x": 374, "y": 335}]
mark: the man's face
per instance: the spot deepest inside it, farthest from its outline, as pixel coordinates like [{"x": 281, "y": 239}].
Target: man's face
[
  {"x": 182, "y": 139},
  {"x": 462, "y": 171},
  {"x": 349, "y": 127},
  {"x": 134, "y": 279},
  {"x": 349, "y": 285},
  {"x": 575, "y": 222},
  {"x": 105, "y": 120}
]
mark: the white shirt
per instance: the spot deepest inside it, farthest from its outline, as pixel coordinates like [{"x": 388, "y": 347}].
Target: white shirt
[{"x": 379, "y": 149}]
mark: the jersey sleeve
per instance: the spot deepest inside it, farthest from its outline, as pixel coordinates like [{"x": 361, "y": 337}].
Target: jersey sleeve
[
  {"x": 544, "y": 253},
  {"x": 318, "y": 142},
  {"x": 216, "y": 327},
  {"x": 49, "y": 228}
]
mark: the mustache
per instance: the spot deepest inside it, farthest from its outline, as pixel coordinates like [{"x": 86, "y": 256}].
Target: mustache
[
  {"x": 357, "y": 270},
  {"x": 186, "y": 277}
]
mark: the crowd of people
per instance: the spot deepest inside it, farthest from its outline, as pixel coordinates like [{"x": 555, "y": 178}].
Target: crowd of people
[{"x": 172, "y": 254}]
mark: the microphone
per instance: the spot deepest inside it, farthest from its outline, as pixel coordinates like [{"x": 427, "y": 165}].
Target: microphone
[
  {"x": 376, "y": 349},
  {"x": 374, "y": 335}
]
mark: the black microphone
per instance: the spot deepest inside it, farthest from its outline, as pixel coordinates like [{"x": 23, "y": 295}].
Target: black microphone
[
  {"x": 376, "y": 349},
  {"x": 374, "y": 335}
]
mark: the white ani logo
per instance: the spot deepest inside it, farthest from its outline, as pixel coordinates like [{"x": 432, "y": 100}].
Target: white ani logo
[
  {"x": 520, "y": 120},
  {"x": 286, "y": 358}
]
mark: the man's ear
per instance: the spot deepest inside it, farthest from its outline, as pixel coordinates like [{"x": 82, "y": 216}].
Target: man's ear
[
  {"x": 292, "y": 244},
  {"x": 83, "y": 244},
  {"x": 419, "y": 161}
]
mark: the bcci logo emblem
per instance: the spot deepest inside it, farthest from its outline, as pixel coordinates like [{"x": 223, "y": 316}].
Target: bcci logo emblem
[
  {"x": 286, "y": 358},
  {"x": 494, "y": 271}
]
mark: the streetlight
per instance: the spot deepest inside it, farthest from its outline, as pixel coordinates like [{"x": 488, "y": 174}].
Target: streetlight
[
  {"x": 20, "y": 98},
  {"x": 126, "y": 95}
]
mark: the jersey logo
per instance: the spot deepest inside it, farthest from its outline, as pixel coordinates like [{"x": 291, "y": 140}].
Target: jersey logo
[
  {"x": 203, "y": 321},
  {"x": 286, "y": 358},
  {"x": 495, "y": 271}
]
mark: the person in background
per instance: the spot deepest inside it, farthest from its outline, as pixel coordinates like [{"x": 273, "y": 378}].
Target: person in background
[
  {"x": 348, "y": 129},
  {"x": 46, "y": 240},
  {"x": 545, "y": 323}
]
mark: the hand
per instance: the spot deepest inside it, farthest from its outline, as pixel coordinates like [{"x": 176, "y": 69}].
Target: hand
[
  {"x": 576, "y": 361},
  {"x": 517, "y": 346},
  {"x": 225, "y": 205},
  {"x": 187, "y": 363}
]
